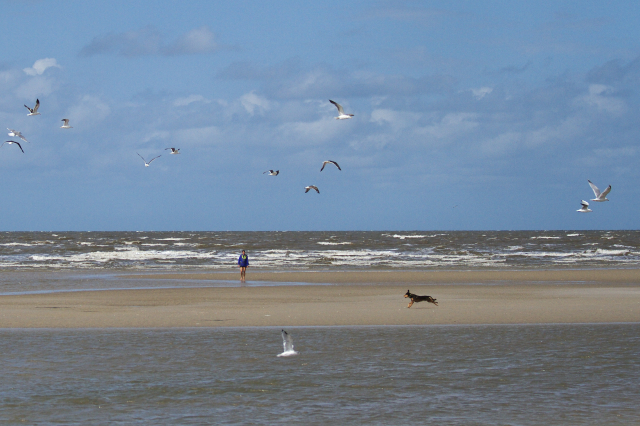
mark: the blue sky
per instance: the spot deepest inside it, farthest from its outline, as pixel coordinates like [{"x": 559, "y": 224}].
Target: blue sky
[{"x": 502, "y": 109}]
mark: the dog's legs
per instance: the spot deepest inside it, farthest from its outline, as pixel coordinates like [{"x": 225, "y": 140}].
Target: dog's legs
[{"x": 410, "y": 304}]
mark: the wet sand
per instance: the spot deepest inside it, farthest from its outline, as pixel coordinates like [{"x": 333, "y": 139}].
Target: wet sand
[{"x": 351, "y": 298}]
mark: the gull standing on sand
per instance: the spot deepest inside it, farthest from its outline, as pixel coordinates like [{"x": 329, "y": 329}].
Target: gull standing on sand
[
  {"x": 34, "y": 110},
  {"x": 146, "y": 164},
  {"x": 342, "y": 115},
  {"x": 66, "y": 124},
  {"x": 600, "y": 196},
  {"x": 272, "y": 173},
  {"x": 287, "y": 343},
  {"x": 13, "y": 142},
  {"x": 173, "y": 150},
  {"x": 307, "y": 188},
  {"x": 585, "y": 207},
  {"x": 324, "y": 163},
  {"x": 17, "y": 134}
]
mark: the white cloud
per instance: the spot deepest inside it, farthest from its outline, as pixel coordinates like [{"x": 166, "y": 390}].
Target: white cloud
[
  {"x": 451, "y": 124},
  {"x": 88, "y": 112},
  {"x": 252, "y": 102},
  {"x": 200, "y": 40},
  {"x": 159, "y": 134},
  {"x": 397, "y": 119},
  {"x": 41, "y": 66},
  {"x": 599, "y": 97},
  {"x": 190, "y": 99},
  {"x": 481, "y": 92}
]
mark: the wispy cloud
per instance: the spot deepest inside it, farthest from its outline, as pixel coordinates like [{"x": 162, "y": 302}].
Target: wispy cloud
[
  {"x": 41, "y": 65},
  {"x": 149, "y": 41}
]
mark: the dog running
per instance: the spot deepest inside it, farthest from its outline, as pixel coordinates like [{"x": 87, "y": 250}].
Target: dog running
[{"x": 415, "y": 298}]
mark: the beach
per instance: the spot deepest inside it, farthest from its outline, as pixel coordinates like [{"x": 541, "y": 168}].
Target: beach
[{"x": 339, "y": 299}]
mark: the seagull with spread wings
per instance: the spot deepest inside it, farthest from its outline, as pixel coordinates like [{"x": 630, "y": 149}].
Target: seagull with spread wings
[
  {"x": 146, "y": 164},
  {"x": 34, "y": 110},
  {"x": 307, "y": 188},
  {"x": 342, "y": 115},
  {"x": 585, "y": 207},
  {"x": 272, "y": 173},
  {"x": 14, "y": 142},
  {"x": 600, "y": 196},
  {"x": 17, "y": 134},
  {"x": 324, "y": 163},
  {"x": 287, "y": 344},
  {"x": 174, "y": 150},
  {"x": 66, "y": 124}
]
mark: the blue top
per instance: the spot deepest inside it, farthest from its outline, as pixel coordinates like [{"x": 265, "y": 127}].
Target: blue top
[{"x": 243, "y": 260}]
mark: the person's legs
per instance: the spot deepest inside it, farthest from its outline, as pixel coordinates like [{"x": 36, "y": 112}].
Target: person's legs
[{"x": 243, "y": 270}]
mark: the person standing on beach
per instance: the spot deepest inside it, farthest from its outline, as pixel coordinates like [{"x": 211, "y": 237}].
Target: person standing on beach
[{"x": 243, "y": 263}]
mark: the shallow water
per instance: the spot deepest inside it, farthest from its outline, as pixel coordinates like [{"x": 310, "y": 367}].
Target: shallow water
[{"x": 460, "y": 375}]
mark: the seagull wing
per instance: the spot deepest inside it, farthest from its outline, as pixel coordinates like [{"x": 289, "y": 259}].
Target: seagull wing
[
  {"x": 154, "y": 159},
  {"x": 606, "y": 191},
  {"x": 11, "y": 132},
  {"x": 316, "y": 188},
  {"x": 19, "y": 146},
  {"x": 35, "y": 108},
  {"x": 287, "y": 341},
  {"x": 66, "y": 121},
  {"x": 306, "y": 189},
  {"x": 336, "y": 164},
  {"x": 584, "y": 204},
  {"x": 323, "y": 164},
  {"x": 30, "y": 110},
  {"x": 22, "y": 137},
  {"x": 340, "y": 110},
  {"x": 596, "y": 191},
  {"x": 145, "y": 161}
]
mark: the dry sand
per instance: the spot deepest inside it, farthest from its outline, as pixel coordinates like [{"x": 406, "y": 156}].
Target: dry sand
[{"x": 353, "y": 298}]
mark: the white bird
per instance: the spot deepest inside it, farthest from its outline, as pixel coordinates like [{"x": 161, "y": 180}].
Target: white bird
[
  {"x": 585, "y": 207},
  {"x": 173, "y": 150},
  {"x": 13, "y": 142},
  {"x": 324, "y": 163},
  {"x": 146, "y": 164},
  {"x": 600, "y": 196},
  {"x": 287, "y": 343},
  {"x": 16, "y": 134},
  {"x": 307, "y": 188},
  {"x": 342, "y": 115},
  {"x": 66, "y": 124},
  {"x": 34, "y": 110},
  {"x": 272, "y": 173}
]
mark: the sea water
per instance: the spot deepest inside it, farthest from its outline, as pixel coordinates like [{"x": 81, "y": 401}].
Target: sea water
[{"x": 454, "y": 375}]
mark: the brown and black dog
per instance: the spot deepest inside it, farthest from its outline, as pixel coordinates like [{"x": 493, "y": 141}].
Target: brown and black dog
[{"x": 415, "y": 298}]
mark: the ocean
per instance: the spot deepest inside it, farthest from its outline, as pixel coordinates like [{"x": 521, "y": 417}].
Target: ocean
[{"x": 569, "y": 374}]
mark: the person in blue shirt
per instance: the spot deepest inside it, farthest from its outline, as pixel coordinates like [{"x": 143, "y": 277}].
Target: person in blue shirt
[{"x": 243, "y": 263}]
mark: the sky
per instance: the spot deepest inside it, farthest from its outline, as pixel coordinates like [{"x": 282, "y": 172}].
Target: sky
[{"x": 468, "y": 115}]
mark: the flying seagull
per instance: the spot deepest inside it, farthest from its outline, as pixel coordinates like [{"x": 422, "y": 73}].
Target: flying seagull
[
  {"x": 585, "y": 207},
  {"x": 66, "y": 124},
  {"x": 272, "y": 173},
  {"x": 146, "y": 164},
  {"x": 324, "y": 163},
  {"x": 16, "y": 134},
  {"x": 34, "y": 110},
  {"x": 287, "y": 343},
  {"x": 14, "y": 142},
  {"x": 342, "y": 115},
  {"x": 307, "y": 188},
  {"x": 173, "y": 150},
  {"x": 600, "y": 196}
]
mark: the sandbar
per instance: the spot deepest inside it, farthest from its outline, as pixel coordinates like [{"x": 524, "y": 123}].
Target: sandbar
[{"x": 341, "y": 299}]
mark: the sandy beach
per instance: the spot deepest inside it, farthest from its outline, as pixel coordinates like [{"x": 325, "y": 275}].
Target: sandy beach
[{"x": 344, "y": 298}]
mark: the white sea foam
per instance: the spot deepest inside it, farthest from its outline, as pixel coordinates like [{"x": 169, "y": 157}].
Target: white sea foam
[{"x": 327, "y": 243}]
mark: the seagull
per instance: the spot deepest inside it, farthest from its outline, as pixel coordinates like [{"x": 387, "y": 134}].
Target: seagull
[
  {"x": 342, "y": 115},
  {"x": 307, "y": 188},
  {"x": 146, "y": 164},
  {"x": 287, "y": 343},
  {"x": 324, "y": 163},
  {"x": 66, "y": 124},
  {"x": 14, "y": 142},
  {"x": 600, "y": 196},
  {"x": 17, "y": 134},
  {"x": 34, "y": 110},
  {"x": 272, "y": 173},
  {"x": 173, "y": 150},
  {"x": 585, "y": 207}
]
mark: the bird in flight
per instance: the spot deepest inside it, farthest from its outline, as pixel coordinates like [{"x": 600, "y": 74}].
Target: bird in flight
[
  {"x": 324, "y": 163},
  {"x": 173, "y": 150},
  {"x": 272, "y": 173},
  {"x": 600, "y": 196},
  {"x": 34, "y": 110},
  {"x": 307, "y": 188},
  {"x": 17, "y": 134},
  {"x": 342, "y": 115},
  {"x": 287, "y": 345},
  {"x": 585, "y": 207},
  {"x": 14, "y": 142},
  {"x": 66, "y": 124},
  {"x": 146, "y": 164}
]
